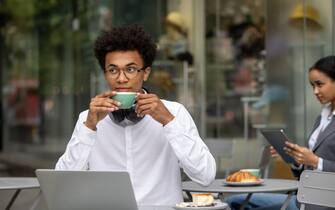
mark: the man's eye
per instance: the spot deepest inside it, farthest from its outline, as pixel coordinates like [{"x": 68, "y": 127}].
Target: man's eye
[
  {"x": 131, "y": 69},
  {"x": 113, "y": 70}
]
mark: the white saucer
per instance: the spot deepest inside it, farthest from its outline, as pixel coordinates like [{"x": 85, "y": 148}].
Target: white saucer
[
  {"x": 218, "y": 205},
  {"x": 241, "y": 184}
]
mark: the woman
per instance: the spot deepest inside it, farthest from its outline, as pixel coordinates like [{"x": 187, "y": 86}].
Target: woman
[{"x": 320, "y": 154}]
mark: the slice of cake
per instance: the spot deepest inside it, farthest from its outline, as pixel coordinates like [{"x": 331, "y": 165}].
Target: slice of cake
[{"x": 202, "y": 199}]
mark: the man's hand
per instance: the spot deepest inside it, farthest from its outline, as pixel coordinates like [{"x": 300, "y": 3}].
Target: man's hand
[
  {"x": 152, "y": 105},
  {"x": 301, "y": 155},
  {"x": 100, "y": 106}
]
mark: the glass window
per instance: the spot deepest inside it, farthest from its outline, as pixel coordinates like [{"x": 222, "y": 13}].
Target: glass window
[
  {"x": 299, "y": 33},
  {"x": 237, "y": 66},
  {"x": 48, "y": 56},
  {"x": 49, "y": 72},
  {"x": 235, "y": 73}
]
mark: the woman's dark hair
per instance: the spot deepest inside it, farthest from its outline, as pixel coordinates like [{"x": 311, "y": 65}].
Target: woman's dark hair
[
  {"x": 326, "y": 65},
  {"x": 126, "y": 38}
]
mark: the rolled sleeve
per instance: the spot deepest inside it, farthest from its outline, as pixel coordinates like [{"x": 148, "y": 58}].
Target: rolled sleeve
[
  {"x": 192, "y": 153},
  {"x": 78, "y": 149}
]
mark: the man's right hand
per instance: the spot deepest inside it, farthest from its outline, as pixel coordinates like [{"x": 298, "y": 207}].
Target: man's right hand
[{"x": 100, "y": 106}]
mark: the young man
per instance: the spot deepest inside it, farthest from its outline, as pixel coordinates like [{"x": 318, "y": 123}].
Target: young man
[{"x": 151, "y": 141}]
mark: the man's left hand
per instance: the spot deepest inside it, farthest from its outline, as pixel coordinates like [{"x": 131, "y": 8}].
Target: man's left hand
[{"x": 152, "y": 105}]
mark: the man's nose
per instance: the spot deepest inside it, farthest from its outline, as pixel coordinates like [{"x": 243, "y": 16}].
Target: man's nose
[{"x": 122, "y": 77}]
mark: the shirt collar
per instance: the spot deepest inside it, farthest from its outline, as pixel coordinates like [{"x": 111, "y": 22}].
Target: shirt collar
[{"x": 325, "y": 113}]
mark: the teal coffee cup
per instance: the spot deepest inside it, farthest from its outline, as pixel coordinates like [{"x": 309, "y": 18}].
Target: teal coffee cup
[
  {"x": 255, "y": 172},
  {"x": 127, "y": 99}
]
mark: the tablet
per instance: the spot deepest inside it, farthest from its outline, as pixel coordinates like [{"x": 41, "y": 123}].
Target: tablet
[{"x": 277, "y": 139}]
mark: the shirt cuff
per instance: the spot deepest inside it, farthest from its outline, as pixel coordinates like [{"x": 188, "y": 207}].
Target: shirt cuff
[
  {"x": 296, "y": 167},
  {"x": 320, "y": 164}
]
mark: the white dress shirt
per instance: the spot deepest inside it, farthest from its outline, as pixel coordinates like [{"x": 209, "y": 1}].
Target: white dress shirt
[{"x": 152, "y": 154}]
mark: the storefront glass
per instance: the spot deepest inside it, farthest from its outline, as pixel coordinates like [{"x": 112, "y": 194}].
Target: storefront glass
[
  {"x": 49, "y": 73},
  {"x": 303, "y": 34},
  {"x": 237, "y": 66},
  {"x": 47, "y": 59},
  {"x": 235, "y": 54}
]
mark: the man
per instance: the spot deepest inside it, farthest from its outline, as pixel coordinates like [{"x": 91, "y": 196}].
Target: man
[{"x": 151, "y": 141}]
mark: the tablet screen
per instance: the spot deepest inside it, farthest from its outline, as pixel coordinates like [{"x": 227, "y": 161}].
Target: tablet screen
[{"x": 277, "y": 139}]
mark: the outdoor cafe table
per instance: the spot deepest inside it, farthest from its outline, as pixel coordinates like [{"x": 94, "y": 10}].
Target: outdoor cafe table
[
  {"x": 269, "y": 185},
  {"x": 157, "y": 208},
  {"x": 17, "y": 184}
]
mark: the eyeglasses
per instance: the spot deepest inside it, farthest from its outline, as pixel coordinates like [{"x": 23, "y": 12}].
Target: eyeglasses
[{"x": 129, "y": 71}]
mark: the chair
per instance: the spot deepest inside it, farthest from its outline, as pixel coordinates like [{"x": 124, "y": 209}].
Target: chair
[
  {"x": 264, "y": 162},
  {"x": 220, "y": 149},
  {"x": 317, "y": 188}
]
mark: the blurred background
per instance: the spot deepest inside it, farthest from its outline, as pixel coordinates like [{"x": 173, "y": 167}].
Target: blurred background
[{"x": 237, "y": 65}]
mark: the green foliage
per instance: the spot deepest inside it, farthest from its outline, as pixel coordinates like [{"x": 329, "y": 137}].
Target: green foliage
[{"x": 22, "y": 13}]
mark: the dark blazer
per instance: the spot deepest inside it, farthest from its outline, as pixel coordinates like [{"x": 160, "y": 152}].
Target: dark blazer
[{"x": 325, "y": 149}]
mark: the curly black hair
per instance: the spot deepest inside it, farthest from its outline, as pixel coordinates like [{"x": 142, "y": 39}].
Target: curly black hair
[{"x": 126, "y": 38}]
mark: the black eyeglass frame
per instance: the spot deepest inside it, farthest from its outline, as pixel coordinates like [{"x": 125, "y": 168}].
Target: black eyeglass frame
[{"x": 122, "y": 69}]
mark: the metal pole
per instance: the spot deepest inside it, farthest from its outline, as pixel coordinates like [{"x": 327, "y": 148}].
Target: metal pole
[
  {"x": 199, "y": 58},
  {"x": 1, "y": 97},
  {"x": 245, "y": 112},
  {"x": 185, "y": 84}
]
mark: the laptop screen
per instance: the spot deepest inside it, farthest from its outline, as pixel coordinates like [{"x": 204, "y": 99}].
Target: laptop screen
[{"x": 87, "y": 190}]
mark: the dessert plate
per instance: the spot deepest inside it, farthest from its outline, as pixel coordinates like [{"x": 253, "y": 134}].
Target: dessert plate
[
  {"x": 187, "y": 206},
  {"x": 241, "y": 184}
]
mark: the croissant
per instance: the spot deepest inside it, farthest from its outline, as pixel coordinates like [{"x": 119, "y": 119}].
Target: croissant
[{"x": 242, "y": 176}]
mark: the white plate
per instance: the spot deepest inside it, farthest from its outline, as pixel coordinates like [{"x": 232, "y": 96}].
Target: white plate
[
  {"x": 218, "y": 205},
  {"x": 241, "y": 184}
]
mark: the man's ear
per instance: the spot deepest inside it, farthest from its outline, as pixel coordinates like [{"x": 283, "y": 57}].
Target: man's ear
[{"x": 146, "y": 73}]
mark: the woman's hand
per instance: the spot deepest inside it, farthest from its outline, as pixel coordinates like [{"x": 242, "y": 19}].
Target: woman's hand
[
  {"x": 152, "y": 105},
  {"x": 301, "y": 155},
  {"x": 100, "y": 106},
  {"x": 274, "y": 153}
]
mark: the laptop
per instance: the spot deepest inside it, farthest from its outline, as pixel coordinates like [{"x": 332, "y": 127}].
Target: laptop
[{"x": 86, "y": 190}]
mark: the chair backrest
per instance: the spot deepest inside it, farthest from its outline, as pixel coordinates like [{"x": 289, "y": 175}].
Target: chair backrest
[
  {"x": 221, "y": 149},
  {"x": 317, "y": 188},
  {"x": 264, "y": 161}
]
